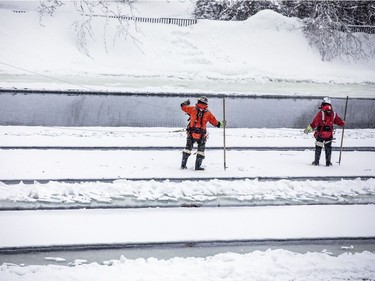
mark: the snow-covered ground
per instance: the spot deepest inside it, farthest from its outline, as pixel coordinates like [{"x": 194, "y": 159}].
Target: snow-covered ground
[
  {"x": 158, "y": 225},
  {"x": 131, "y": 164},
  {"x": 265, "y": 54},
  {"x": 125, "y": 164},
  {"x": 273, "y": 265},
  {"x": 171, "y": 137},
  {"x": 129, "y": 226}
]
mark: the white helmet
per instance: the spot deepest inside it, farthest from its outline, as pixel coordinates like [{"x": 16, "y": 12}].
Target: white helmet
[
  {"x": 203, "y": 100},
  {"x": 326, "y": 100}
]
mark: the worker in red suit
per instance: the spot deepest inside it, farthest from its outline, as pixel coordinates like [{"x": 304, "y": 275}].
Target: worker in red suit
[{"x": 323, "y": 122}]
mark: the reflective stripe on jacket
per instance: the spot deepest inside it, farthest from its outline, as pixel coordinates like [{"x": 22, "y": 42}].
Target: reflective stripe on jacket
[
  {"x": 324, "y": 123},
  {"x": 199, "y": 117}
]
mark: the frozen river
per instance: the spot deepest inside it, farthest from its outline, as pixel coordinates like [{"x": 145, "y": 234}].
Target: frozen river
[{"x": 51, "y": 108}]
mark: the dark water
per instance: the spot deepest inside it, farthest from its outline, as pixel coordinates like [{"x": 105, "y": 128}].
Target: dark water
[
  {"x": 37, "y": 109},
  {"x": 332, "y": 246}
]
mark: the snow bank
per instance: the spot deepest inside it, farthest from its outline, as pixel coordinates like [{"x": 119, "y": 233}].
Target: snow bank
[
  {"x": 204, "y": 193},
  {"x": 272, "y": 265},
  {"x": 270, "y": 20}
]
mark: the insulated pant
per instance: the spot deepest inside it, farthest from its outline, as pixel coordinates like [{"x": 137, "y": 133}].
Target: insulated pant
[
  {"x": 327, "y": 144},
  {"x": 188, "y": 149}
]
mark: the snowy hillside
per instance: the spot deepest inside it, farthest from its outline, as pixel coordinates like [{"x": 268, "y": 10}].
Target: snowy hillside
[{"x": 266, "y": 47}]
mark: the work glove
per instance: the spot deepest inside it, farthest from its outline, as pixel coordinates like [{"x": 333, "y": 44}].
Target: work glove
[
  {"x": 222, "y": 124},
  {"x": 308, "y": 129},
  {"x": 187, "y": 102}
]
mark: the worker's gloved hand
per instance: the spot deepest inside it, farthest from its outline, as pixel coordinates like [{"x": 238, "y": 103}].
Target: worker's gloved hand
[
  {"x": 308, "y": 129},
  {"x": 187, "y": 102},
  {"x": 222, "y": 124}
]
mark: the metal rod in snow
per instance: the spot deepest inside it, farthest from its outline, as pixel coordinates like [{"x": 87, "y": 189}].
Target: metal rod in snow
[
  {"x": 224, "y": 138},
  {"x": 343, "y": 128}
]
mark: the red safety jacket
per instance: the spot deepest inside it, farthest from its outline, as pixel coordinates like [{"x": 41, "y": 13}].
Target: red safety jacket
[
  {"x": 199, "y": 116},
  {"x": 323, "y": 122}
]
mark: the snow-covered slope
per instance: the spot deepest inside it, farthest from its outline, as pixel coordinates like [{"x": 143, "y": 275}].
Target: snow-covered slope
[{"x": 266, "y": 47}]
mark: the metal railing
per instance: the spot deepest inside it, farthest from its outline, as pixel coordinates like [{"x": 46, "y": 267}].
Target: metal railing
[
  {"x": 175, "y": 21},
  {"x": 362, "y": 28}
]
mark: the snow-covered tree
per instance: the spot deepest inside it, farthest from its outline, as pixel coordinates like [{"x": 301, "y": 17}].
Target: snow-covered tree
[
  {"x": 329, "y": 30},
  {"x": 349, "y": 12},
  {"x": 242, "y": 10},
  {"x": 328, "y": 24},
  {"x": 48, "y": 7},
  {"x": 230, "y": 9},
  {"x": 210, "y": 9}
]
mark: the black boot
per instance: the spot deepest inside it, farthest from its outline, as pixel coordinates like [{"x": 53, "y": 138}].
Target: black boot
[
  {"x": 198, "y": 163},
  {"x": 318, "y": 151},
  {"x": 185, "y": 157},
  {"x": 328, "y": 148}
]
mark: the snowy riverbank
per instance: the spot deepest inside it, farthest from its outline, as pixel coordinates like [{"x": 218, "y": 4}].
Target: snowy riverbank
[{"x": 265, "y": 54}]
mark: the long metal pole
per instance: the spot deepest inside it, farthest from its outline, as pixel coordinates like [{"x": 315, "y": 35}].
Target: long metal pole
[
  {"x": 343, "y": 128},
  {"x": 224, "y": 138}
]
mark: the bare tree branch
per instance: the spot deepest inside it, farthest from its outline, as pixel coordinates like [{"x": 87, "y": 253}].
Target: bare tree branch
[
  {"x": 48, "y": 7},
  {"x": 88, "y": 10},
  {"x": 333, "y": 38}
]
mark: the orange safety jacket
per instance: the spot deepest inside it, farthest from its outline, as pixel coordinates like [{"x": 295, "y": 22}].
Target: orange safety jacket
[{"x": 199, "y": 116}]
